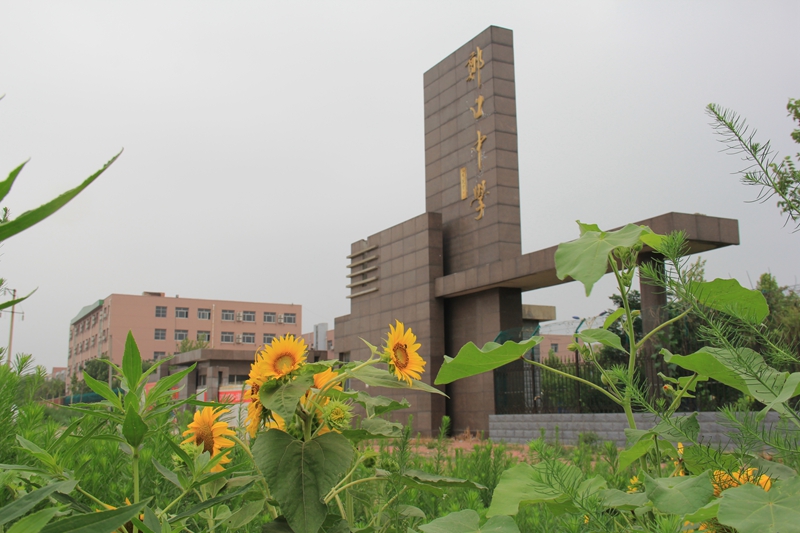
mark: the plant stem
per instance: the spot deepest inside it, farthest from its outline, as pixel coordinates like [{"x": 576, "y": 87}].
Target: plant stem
[
  {"x": 135, "y": 460},
  {"x": 341, "y": 507},
  {"x": 660, "y": 327},
  {"x": 589, "y": 383},
  {"x": 334, "y": 492}
]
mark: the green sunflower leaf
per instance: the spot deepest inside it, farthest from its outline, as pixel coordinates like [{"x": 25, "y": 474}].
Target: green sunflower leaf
[
  {"x": 284, "y": 398},
  {"x": 377, "y": 377},
  {"x": 586, "y": 259},
  {"x": 472, "y": 360},
  {"x": 750, "y": 509},
  {"x": 468, "y": 521},
  {"x": 302, "y": 473}
]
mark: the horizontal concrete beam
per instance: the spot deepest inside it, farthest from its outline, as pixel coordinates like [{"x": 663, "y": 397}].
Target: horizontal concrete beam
[{"x": 537, "y": 270}]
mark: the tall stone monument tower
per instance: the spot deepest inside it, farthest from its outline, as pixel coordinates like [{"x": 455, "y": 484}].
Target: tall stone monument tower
[{"x": 456, "y": 273}]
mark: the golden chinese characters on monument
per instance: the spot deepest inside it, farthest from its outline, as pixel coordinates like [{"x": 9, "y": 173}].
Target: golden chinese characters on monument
[
  {"x": 474, "y": 65},
  {"x": 479, "y": 192}
]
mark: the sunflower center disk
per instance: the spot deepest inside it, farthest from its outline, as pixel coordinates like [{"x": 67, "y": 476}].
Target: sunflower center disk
[
  {"x": 400, "y": 356},
  {"x": 206, "y": 437},
  {"x": 284, "y": 363}
]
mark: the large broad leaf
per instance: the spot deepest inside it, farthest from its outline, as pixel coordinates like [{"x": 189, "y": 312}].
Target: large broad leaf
[
  {"x": 378, "y": 377},
  {"x": 472, "y": 360},
  {"x": 629, "y": 455},
  {"x": 750, "y": 509},
  {"x": 744, "y": 370},
  {"x": 705, "y": 513},
  {"x": 101, "y": 522},
  {"x": 433, "y": 483},
  {"x": 468, "y": 521},
  {"x": 624, "y": 501},
  {"x": 523, "y": 484},
  {"x": 374, "y": 428},
  {"x": 284, "y": 399},
  {"x": 586, "y": 259},
  {"x": 300, "y": 473},
  {"x": 728, "y": 296},
  {"x": 679, "y": 495},
  {"x": 24, "y": 504},
  {"x": 378, "y": 405},
  {"x": 604, "y": 337},
  {"x": 131, "y": 363},
  {"x": 164, "y": 385},
  {"x": 29, "y": 218}
]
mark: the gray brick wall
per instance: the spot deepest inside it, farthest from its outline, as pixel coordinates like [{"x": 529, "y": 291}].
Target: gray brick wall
[{"x": 608, "y": 426}]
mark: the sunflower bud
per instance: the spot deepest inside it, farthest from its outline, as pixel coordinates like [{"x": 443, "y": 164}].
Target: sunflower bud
[
  {"x": 337, "y": 415},
  {"x": 573, "y": 347}
]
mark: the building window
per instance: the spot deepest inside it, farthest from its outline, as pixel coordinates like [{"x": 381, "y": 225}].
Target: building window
[
  {"x": 204, "y": 336},
  {"x": 554, "y": 348},
  {"x": 248, "y": 338},
  {"x": 268, "y": 338},
  {"x": 159, "y": 355},
  {"x": 249, "y": 316},
  {"x": 161, "y": 311},
  {"x": 227, "y": 314},
  {"x": 237, "y": 379},
  {"x": 94, "y": 340},
  {"x": 269, "y": 318},
  {"x": 330, "y": 345},
  {"x": 181, "y": 312},
  {"x": 161, "y": 334},
  {"x": 204, "y": 314},
  {"x": 181, "y": 334},
  {"x": 201, "y": 380},
  {"x": 227, "y": 336},
  {"x": 290, "y": 318}
]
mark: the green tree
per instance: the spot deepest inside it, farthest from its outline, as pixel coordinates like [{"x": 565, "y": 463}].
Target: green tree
[{"x": 188, "y": 345}]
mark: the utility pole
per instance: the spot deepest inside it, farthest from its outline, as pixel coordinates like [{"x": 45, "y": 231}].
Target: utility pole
[{"x": 11, "y": 329}]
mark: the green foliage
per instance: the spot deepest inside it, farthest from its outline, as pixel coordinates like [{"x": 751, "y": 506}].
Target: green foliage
[
  {"x": 774, "y": 177},
  {"x": 302, "y": 473},
  {"x": 472, "y": 360},
  {"x": 468, "y": 521},
  {"x": 752, "y": 509}
]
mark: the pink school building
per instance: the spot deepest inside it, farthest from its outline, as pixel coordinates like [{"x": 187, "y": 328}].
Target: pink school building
[{"x": 159, "y": 324}]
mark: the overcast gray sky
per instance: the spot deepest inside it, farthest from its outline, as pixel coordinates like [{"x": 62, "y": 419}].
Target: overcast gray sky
[{"x": 262, "y": 138}]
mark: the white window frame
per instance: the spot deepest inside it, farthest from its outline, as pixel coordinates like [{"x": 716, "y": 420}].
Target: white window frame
[
  {"x": 230, "y": 313},
  {"x": 160, "y": 308},
  {"x": 273, "y": 317},
  {"x": 248, "y": 316},
  {"x": 181, "y": 312},
  {"x": 163, "y": 336},
  {"x": 267, "y": 338},
  {"x": 248, "y": 338},
  {"x": 290, "y": 318},
  {"x": 227, "y": 335},
  {"x": 184, "y": 333},
  {"x": 206, "y": 334},
  {"x": 204, "y": 314}
]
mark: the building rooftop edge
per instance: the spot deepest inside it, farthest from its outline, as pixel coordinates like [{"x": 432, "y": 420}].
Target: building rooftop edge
[{"x": 85, "y": 311}]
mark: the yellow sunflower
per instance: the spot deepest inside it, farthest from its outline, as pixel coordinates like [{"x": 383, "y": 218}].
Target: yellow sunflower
[
  {"x": 323, "y": 378},
  {"x": 205, "y": 430},
  {"x": 283, "y": 356},
  {"x": 401, "y": 348}
]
